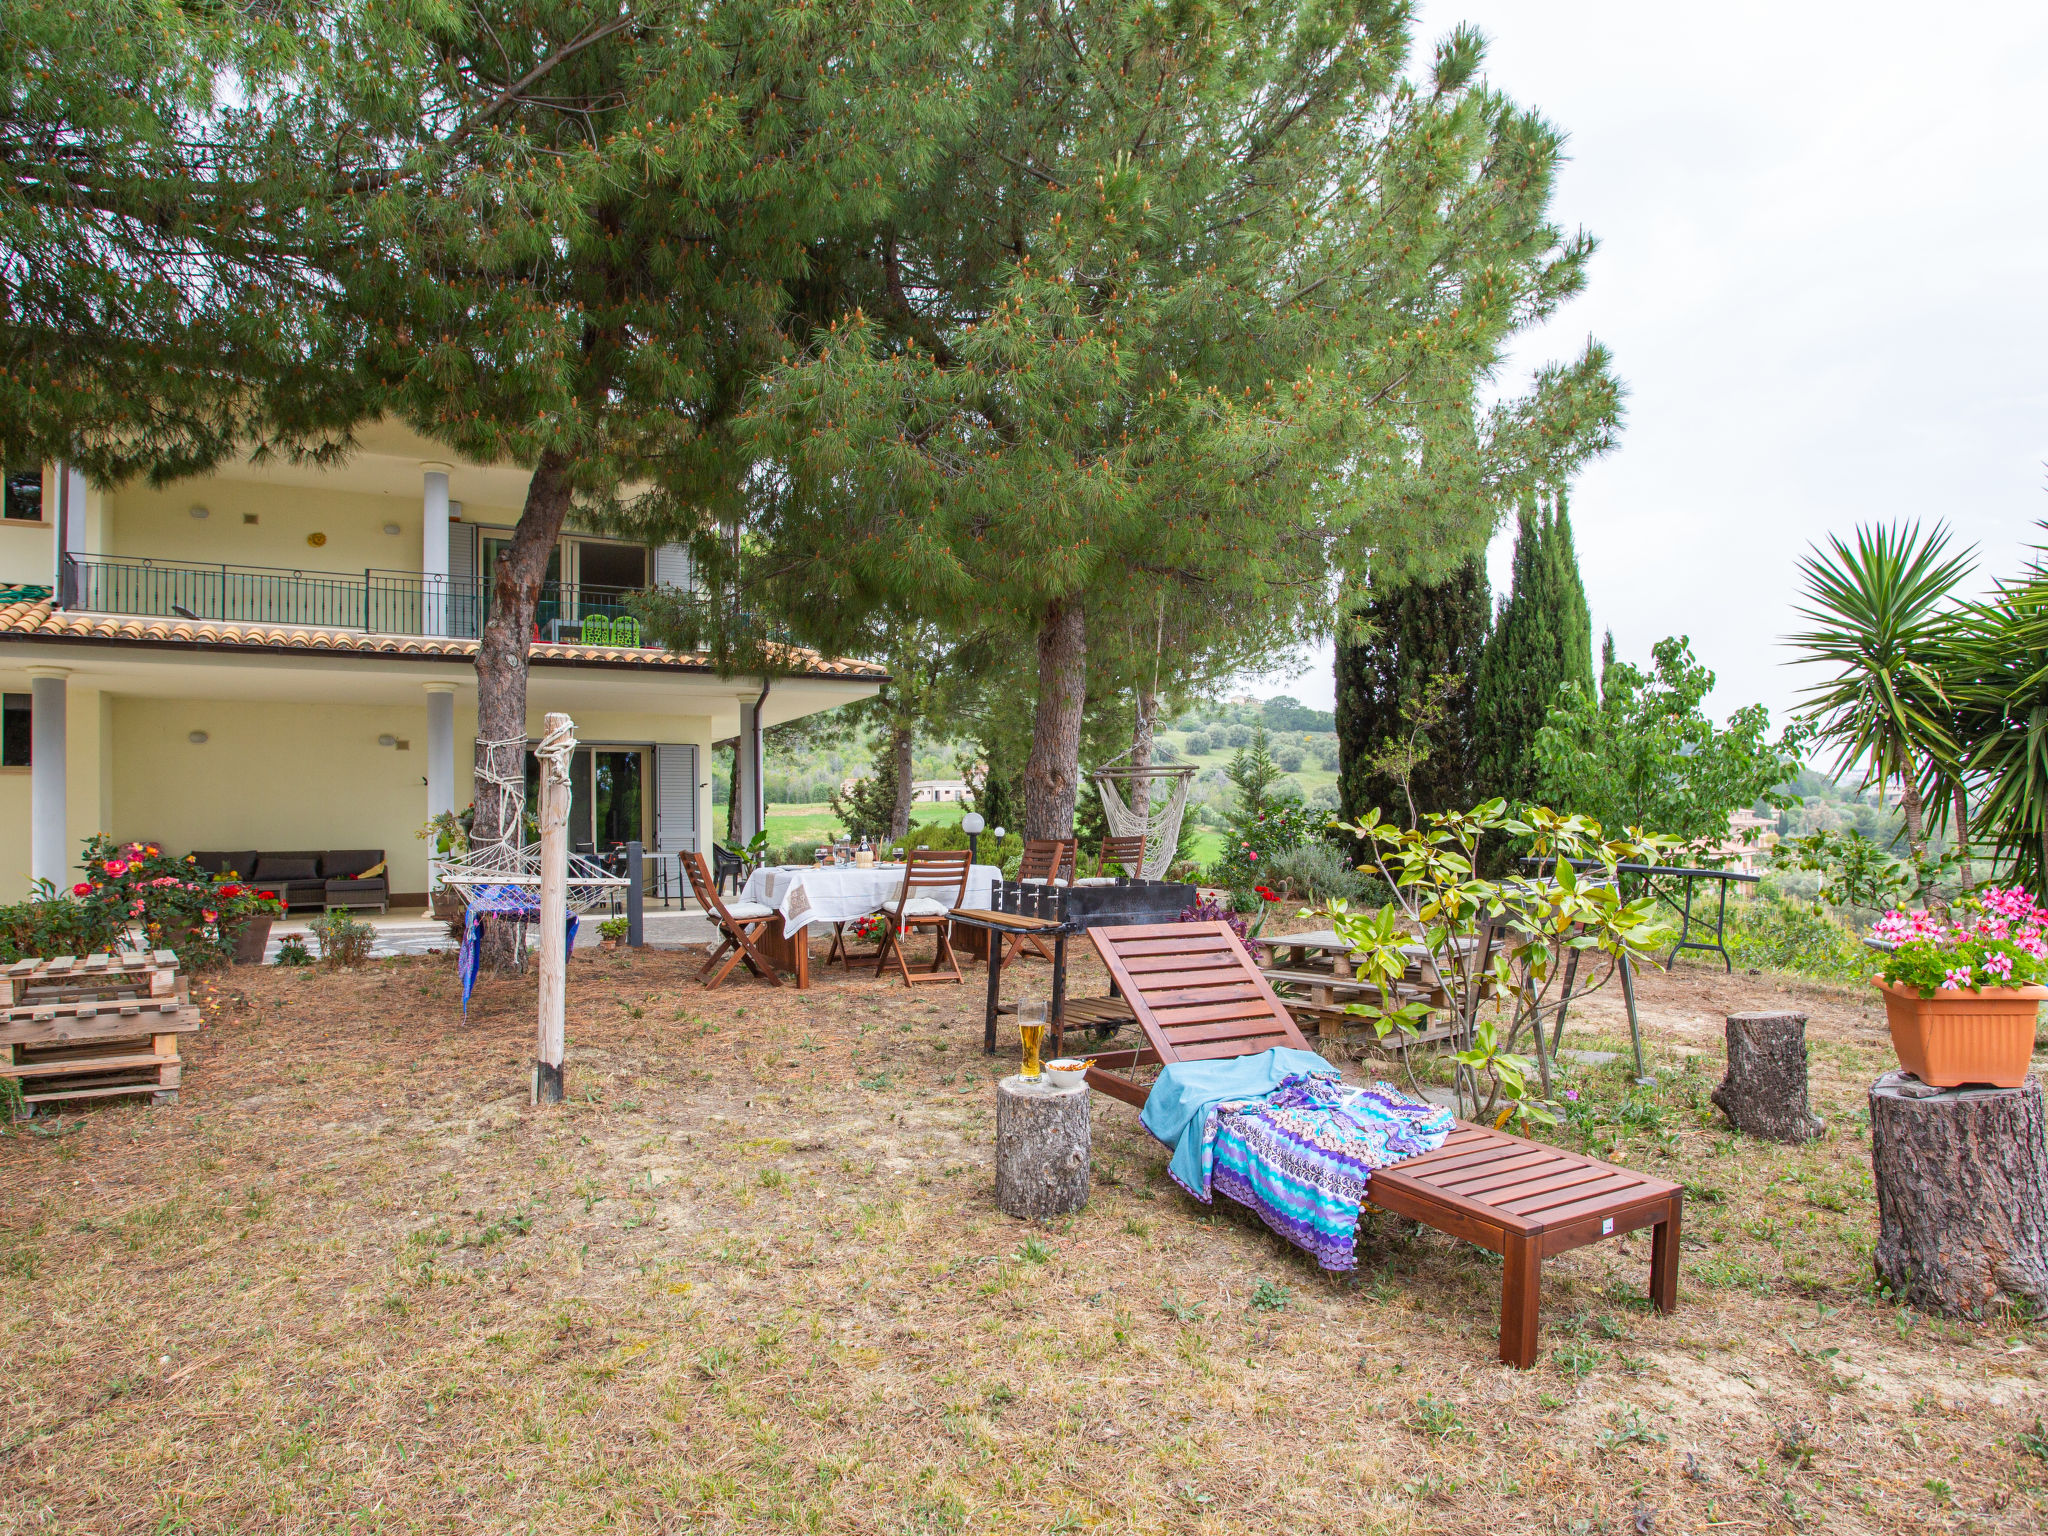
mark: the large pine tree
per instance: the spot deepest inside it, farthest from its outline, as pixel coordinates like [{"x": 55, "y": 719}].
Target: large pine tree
[
  {"x": 569, "y": 235},
  {"x": 1196, "y": 298},
  {"x": 1408, "y": 635},
  {"x": 1544, "y": 638}
]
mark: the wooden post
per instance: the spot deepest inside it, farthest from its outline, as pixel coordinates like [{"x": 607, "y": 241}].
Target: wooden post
[
  {"x": 1962, "y": 1194},
  {"x": 1042, "y": 1144},
  {"x": 554, "y": 907},
  {"x": 1764, "y": 1090}
]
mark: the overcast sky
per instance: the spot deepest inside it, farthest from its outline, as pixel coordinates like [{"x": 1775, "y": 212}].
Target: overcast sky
[{"x": 1823, "y": 240}]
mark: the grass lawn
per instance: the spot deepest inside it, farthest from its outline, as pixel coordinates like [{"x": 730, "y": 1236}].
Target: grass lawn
[{"x": 751, "y": 1279}]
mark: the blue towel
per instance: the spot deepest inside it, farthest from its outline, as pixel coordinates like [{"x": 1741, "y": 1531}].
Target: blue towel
[
  {"x": 1177, "y": 1110},
  {"x": 511, "y": 903}
]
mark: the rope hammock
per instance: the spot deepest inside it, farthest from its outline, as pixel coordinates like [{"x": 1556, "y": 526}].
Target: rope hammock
[
  {"x": 1160, "y": 824},
  {"x": 509, "y": 860}
]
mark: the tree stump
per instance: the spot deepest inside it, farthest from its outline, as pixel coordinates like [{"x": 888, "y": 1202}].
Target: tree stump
[
  {"x": 1764, "y": 1090},
  {"x": 1041, "y": 1148},
  {"x": 1962, "y": 1193}
]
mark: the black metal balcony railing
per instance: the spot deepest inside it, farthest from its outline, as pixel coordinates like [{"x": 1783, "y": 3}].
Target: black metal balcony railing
[{"x": 381, "y": 602}]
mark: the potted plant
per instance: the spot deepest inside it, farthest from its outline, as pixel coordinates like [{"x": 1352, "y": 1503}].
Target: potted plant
[
  {"x": 1962, "y": 990},
  {"x": 245, "y": 914},
  {"x": 170, "y": 903}
]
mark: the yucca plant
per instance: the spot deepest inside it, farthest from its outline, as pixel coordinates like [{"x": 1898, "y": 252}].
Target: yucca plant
[
  {"x": 1881, "y": 616},
  {"x": 1995, "y": 671}
]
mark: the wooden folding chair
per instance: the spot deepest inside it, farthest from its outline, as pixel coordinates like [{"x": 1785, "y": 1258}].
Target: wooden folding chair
[
  {"x": 1199, "y": 996},
  {"x": 1125, "y": 854},
  {"x": 738, "y": 925},
  {"x": 1049, "y": 860},
  {"x": 934, "y": 883}
]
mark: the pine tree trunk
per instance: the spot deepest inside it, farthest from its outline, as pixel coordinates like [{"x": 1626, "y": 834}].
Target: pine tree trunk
[
  {"x": 1764, "y": 1090},
  {"x": 1962, "y": 1194},
  {"x": 501, "y": 658},
  {"x": 1141, "y": 750},
  {"x": 1053, "y": 773},
  {"x": 900, "y": 743}
]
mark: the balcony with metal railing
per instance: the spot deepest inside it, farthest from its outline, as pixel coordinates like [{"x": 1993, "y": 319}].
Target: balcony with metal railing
[{"x": 375, "y": 601}]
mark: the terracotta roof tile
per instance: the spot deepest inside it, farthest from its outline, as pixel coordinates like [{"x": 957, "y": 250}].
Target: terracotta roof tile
[{"x": 36, "y": 620}]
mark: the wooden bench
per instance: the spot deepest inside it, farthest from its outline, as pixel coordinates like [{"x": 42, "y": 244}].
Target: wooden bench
[{"x": 1198, "y": 996}]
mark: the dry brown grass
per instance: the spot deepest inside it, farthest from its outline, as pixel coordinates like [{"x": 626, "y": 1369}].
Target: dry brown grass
[{"x": 752, "y": 1279}]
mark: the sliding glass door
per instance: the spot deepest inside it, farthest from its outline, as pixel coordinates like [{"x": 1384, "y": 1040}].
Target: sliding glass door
[{"x": 607, "y": 799}]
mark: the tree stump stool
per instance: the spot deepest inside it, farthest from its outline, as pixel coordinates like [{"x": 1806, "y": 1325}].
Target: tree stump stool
[
  {"x": 1042, "y": 1143},
  {"x": 1763, "y": 1092},
  {"x": 1962, "y": 1194}
]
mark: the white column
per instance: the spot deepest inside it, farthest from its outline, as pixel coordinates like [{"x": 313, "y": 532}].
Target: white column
[
  {"x": 440, "y": 748},
  {"x": 49, "y": 831},
  {"x": 434, "y": 550},
  {"x": 746, "y": 776},
  {"x": 71, "y": 494}
]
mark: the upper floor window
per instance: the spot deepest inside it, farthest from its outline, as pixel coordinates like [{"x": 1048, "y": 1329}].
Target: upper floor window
[{"x": 24, "y": 497}]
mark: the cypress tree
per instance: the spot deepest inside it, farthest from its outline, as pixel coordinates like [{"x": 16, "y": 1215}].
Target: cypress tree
[
  {"x": 1543, "y": 638},
  {"x": 1410, "y": 634}
]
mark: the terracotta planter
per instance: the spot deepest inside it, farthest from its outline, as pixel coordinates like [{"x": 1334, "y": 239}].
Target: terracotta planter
[
  {"x": 1953, "y": 1038},
  {"x": 250, "y": 942}
]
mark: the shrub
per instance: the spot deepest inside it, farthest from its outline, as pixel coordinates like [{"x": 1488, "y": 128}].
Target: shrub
[
  {"x": 134, "y": 893},
  {"x": 343, "y": 940},
  {"x": 1768, "y": 934},
  {"x": 1318, "y": 871},
  {"x": 291, "y": 950},
  {"x": 1216, "y": 912},
  {"x": 1289, "y": 759},
  {"x": 1282, "y": 826},
  {"x": 57, "y": 925},
  {"x": 1197, "y": 745}
]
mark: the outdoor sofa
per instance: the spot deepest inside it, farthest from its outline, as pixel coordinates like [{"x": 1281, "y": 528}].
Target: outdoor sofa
[{"x": 337, "y": 878}]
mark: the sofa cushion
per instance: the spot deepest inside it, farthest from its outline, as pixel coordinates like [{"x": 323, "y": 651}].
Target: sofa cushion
[
  {"x": 347, "y": 863},
  {"x": 222, "y": 863},
  {"x": 286, "y": 866}
]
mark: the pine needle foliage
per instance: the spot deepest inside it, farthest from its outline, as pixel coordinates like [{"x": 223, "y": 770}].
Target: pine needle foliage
[{"x": 1198, "y": 300}]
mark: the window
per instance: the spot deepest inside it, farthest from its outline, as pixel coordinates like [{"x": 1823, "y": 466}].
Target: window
[
  {"x": 14, "y": 730},
  {"x": 24, "y": 497}
]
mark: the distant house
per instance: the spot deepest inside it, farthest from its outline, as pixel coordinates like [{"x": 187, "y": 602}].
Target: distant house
[
  {"x": 939, "y": 792},
  {"x": 1748, "y": 844}
]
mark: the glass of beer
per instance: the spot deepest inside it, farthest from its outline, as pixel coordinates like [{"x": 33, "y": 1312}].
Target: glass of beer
[{"x": 1031, "y": 1026}]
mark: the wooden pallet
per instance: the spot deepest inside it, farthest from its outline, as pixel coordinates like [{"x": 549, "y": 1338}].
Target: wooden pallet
[
  {"x": 126, "y": 973},
  {"x": 101, "y": 1027}
]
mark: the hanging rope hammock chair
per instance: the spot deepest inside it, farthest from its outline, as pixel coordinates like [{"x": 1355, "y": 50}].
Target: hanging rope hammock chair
[{"x": 1159, "y": 822}]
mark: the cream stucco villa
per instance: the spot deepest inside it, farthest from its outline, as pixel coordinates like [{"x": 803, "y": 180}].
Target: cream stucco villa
[{"x": 281, "y": 658}]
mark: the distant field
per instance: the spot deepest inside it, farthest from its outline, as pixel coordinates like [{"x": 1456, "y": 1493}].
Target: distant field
[{"x": 787, "y": 823}]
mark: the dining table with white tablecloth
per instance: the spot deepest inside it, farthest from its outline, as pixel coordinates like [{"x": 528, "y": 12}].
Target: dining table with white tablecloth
[{"x": 805, "y": 894}]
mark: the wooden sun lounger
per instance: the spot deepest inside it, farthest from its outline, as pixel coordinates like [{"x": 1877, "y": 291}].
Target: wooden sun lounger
[{"x": 1198, "y": 996}]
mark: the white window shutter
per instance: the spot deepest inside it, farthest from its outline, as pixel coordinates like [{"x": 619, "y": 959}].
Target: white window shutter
[
  {"x": 672, "y": 566},
  {"x": 465, "y": 597},
  {"x": 675, "y": 798}
]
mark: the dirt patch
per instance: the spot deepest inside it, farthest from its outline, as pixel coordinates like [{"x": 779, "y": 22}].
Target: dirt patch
[{"x": 751, "y": 1278}]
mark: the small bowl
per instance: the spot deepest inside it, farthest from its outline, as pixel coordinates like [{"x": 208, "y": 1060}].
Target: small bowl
[{"x": 1067, "y": 1072}]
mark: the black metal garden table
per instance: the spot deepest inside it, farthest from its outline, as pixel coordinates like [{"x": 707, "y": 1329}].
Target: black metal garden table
[{"x": 1691, "y": 878}]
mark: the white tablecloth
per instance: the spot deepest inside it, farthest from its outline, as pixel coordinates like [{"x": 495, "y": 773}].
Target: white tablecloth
[{"x": 804, "y": 894}]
